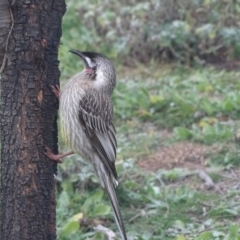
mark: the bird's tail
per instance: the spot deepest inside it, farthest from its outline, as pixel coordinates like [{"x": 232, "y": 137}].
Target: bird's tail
[{"x": 108, "y": 184}]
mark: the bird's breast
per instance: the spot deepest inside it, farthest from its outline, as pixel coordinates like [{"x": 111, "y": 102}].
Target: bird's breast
[{"x": 71, "y": 129}]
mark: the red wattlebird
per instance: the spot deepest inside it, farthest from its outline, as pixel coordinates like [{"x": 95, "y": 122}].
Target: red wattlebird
[{"x": 86, "y": 120}]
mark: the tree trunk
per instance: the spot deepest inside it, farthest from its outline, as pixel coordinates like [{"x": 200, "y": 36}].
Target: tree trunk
[{"x": 30, "y": 31}]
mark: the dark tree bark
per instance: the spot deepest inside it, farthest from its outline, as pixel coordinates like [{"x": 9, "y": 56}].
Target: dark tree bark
[{"x": 32, "y": 30}]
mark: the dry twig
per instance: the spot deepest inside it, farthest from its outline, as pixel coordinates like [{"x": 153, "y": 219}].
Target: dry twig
[
  {"x": 206, "y": 178},
  {"x": 109, "y": 233}
]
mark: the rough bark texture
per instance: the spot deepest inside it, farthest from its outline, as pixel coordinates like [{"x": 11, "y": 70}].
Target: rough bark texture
[{"x": 28, "y": 121}]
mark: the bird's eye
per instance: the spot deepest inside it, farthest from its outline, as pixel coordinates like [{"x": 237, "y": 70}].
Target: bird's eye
[{"x": 93, "y": 63}]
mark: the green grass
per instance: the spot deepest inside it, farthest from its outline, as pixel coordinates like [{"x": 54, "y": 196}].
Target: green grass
[
  {"x": 198, "y": 105},
  {"x": 180, "y": 97}
]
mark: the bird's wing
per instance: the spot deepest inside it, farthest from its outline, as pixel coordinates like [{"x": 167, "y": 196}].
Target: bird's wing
[{"x": 95, "y": 116}]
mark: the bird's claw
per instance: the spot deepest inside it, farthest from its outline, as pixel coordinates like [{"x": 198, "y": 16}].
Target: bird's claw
[
  {"x": 56, "y": 90},
  {"x": 55, "y": 157}
]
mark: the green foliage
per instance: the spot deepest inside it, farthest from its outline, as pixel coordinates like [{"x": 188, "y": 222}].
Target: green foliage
[
  {"x": 93, "y": 206},
  {"x": 200, "y": 104},
  {"x": 193, "y": 104},
  {"x": 172, "y": 208},
  {"x": 73, "y": 206},
  {"x": 228, "y": 156},
  {"x": 208, "y": 134},
  {"x": 165, "y": 30},
  {"x": 215, "y": 234},
  {"x": 202, "y": 99}
]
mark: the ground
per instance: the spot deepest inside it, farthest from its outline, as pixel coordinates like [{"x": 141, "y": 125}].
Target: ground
[
  {"x": 194, "y": 157},
  {"x": 187, "y": 155}
]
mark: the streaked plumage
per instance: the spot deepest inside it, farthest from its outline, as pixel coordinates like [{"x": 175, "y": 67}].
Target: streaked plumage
[{"x": 86, "y": 120}]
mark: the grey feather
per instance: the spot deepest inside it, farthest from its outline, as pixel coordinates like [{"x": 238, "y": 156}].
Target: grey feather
[
  {"x": 103, "y": 138},
  {"x": 114, "y": 202},
  {"x": 95, "y": 114}
]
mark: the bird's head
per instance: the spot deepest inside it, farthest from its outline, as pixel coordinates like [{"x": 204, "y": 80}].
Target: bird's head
[{"x": 99, "y": 69}]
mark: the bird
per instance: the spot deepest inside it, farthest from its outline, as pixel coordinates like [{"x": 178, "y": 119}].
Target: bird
[{"x": 86, "y": 113}]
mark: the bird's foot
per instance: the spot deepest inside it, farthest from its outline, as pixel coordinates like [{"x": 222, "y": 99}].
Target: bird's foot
[
  {"x": 55, "y": 157},
  {"x": 56, "y": 90}
]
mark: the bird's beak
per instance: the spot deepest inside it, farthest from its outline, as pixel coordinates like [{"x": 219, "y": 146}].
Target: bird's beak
[{"x": 81, "y": 55}]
